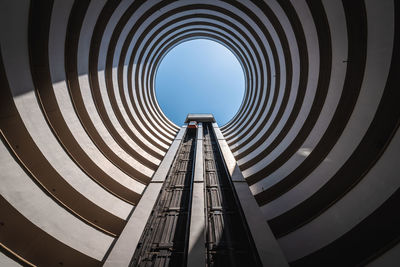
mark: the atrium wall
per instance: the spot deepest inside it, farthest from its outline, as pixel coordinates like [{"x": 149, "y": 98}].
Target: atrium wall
[{"x": 316, "y": 136}]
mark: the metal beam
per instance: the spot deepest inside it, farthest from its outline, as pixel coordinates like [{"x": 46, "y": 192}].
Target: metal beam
[{"x": 196, "y": 250}]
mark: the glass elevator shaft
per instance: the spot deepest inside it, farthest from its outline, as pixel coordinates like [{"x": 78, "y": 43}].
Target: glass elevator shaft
[
  {"x": 228, "y": 242},
  {"x": 227, "y": 239},
  {"x": 164, "y": 239}
]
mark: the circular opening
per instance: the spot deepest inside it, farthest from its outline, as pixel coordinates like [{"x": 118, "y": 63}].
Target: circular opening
[{"x": 200, "y": 76}]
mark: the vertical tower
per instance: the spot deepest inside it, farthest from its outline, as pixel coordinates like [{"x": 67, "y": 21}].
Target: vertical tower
[{"x": 195, "y": 213}]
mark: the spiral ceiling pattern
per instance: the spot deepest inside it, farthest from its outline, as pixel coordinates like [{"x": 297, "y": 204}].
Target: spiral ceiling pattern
[{"x": 316, "y": 135}]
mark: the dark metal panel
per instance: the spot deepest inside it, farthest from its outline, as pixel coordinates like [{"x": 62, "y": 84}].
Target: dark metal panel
[
  {"x": 228, "y": 240},
  {"x": 164, "y": 240}
]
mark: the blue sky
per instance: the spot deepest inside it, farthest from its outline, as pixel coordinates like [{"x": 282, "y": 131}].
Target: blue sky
[{"x": 199, "y": 76}]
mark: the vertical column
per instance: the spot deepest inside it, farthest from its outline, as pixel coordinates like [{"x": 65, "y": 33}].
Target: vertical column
[
  {"x": 196, "y": 249},
  {"x": 122, "y": 252},
  {"x": 267, "y": 247}
]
